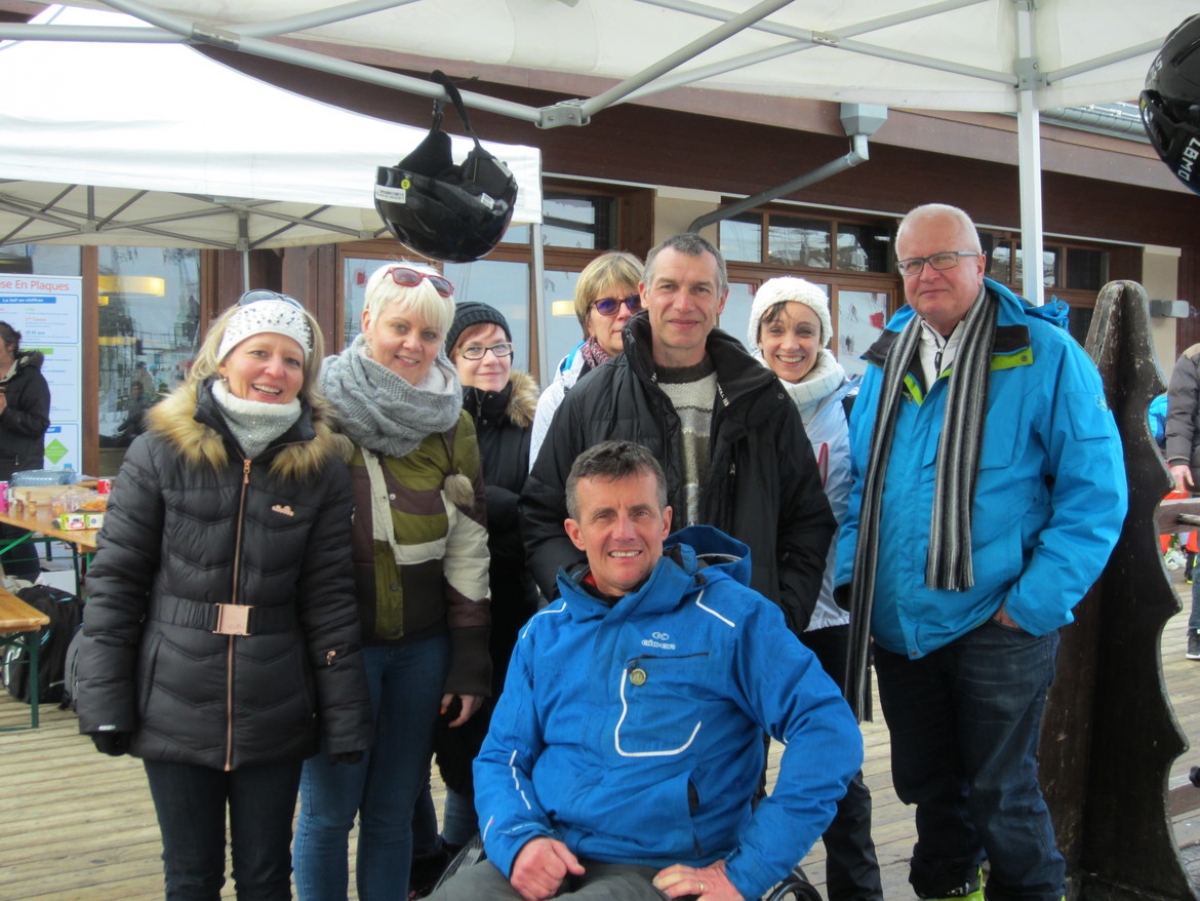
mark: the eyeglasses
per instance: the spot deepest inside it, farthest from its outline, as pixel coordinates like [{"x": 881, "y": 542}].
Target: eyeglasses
[
  {"x": 947, "y": 259},
  {"x": 410, "y": 278},
  {"x": 260, "y": 294},
  {"x": 608, "y": 306},
  {"x": 478, "y": 352}
]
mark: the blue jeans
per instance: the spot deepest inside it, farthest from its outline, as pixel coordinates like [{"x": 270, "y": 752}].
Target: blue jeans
[
  {"x": 190, "y": 802},
  {"x": 405, "y": 682},
  {"x": 965, "y": 722}
]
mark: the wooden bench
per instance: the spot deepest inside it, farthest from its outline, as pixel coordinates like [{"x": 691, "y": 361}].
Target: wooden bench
[{"x": 19, "y": 627}]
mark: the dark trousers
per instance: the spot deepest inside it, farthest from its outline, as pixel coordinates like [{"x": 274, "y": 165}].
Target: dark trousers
[
  {"x": 851, "y": 867},
  {"x": 965, "y": 721},
  {"x": 601, "y": 882},
  {"x": 191, "y": 803}
]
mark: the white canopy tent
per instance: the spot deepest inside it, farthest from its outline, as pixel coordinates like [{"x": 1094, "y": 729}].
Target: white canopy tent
[
  {"x": 155, "y": 144},
  {"x": 1018, "y": 56}
]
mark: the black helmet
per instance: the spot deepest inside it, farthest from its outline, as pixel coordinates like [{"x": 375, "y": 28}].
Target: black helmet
[
  {"x": 455, "y": 214},
  {"x": 1171, "y": 102}
]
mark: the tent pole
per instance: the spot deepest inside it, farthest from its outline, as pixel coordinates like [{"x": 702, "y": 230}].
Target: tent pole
[
  {"x": 539, "y": 301},
  {"x": 1029, "y": 155},
  {"x": 738, "y": 23}
]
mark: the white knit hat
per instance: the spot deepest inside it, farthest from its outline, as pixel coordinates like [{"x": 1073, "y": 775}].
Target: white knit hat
[
  {"x": 796, "y": 290},
  {"x": 278, "y": 317}
]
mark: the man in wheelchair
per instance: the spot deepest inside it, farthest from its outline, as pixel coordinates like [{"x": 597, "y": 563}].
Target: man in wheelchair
[{"x": 624, "y": 754}]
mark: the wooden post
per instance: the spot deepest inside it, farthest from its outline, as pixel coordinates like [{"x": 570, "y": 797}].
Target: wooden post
[{"x": 1109, "y": 737}]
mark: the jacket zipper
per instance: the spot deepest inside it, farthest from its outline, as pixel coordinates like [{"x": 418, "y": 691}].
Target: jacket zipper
[{"x": 237, "y": 566}]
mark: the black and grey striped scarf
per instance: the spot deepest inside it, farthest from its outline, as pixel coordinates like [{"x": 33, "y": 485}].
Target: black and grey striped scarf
[{"x": 948, "y": 562}]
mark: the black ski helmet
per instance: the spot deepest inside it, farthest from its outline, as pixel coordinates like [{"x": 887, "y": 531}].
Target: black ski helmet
[
  {"x": 1171, "y": 102},
  {"x": 455, "y": 214}
]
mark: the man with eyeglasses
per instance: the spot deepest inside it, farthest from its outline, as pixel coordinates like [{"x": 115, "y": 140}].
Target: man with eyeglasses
[
  {"x": 989, "y": 491},
  {"x": 729, "y": 438}
]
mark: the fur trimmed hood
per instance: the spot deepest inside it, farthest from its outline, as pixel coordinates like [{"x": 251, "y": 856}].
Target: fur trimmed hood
[
  {"x": 522, "y": 402},
  {"x": 179, "y": 418}
]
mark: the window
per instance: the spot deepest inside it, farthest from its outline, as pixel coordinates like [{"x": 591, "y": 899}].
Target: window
[
  {"x": 863, "y": 248},
  {"x": 861, "y": 316},
  {"x": 1086, "y": 269},
  {"x": 149, "y": 334},
  {"x": 805, "y": 243},
  {"x": 585, "y": 221},
  {"x": 500, "y": 284},
  {"x": 40, "y": 259},
  {"x": 792, "y": 241},
  {"x": 741, "y": 238}
]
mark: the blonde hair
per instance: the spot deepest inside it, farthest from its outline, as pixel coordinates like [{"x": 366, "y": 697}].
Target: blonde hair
[
  {"x": 207, "y": 364},
  {"x": 609, "y": 270},
  {"x": 422, "y": 299}
]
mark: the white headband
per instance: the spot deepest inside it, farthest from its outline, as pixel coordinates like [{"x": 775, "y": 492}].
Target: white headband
[{"x": 275, "y": 316}]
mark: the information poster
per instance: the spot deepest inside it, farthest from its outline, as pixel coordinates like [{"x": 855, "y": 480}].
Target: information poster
[{"x": 46, "y": 310}]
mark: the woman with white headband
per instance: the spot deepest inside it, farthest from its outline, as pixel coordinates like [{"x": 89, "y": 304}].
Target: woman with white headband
[
  {"x": 790, "y": 330},
  {"x": 221, "y": 636}
]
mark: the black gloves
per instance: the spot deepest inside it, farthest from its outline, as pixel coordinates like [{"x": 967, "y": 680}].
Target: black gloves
[
  {"x": 347, "y": 757},
  {"x": 114, "y": 744}
]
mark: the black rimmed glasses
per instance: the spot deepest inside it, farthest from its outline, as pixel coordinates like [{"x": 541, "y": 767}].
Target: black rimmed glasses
[
  {"x": 258, "y": 295},
  {"x": 608, "y": 306},
  {"x": 478, "y": 351},
  {"x": 947, "y": 259},
  {"x": 410, "y": 278}
]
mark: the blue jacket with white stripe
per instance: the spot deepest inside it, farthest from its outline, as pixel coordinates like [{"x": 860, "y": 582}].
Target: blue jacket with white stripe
[{"x": 633, "y": 733}]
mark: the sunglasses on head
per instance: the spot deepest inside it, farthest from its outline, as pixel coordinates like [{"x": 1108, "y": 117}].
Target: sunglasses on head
[
  {"x": 608, "y": 306},
  {"x": 410, "y": 278},
  {"x": 260, "y": 294}
]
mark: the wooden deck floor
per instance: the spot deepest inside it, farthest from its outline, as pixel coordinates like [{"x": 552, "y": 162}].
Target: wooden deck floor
[{"x": 78, "y": 826}]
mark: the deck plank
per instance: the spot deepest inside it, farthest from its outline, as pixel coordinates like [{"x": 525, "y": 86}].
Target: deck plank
[{"x": 76, "y": 825}]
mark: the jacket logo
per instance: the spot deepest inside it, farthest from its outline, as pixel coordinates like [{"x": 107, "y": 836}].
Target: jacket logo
[
  {"x": 285, "y": 510},
  {"x": 657, "y": 642}
]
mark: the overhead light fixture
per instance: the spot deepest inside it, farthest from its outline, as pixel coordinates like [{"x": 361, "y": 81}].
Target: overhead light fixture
[
  {"x": 562, "y": 308},
  {"x": 133, "y": 285}
]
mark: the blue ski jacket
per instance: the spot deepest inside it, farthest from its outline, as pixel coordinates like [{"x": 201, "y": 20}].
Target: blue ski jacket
[
  {"x": 633, "y": 733},
  {"x": 1050, "y": 497}
]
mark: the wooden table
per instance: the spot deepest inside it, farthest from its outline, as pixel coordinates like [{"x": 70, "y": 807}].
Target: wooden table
[
  {"x": 44, "y": 522},
  {"x": 19, "y": 627}
]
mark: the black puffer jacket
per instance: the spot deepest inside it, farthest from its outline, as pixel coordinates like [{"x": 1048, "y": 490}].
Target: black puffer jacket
[
  {"x": 763, "y": 485},
  {"x": 24, "y": 421},
  {"x": 503, "y": 425},
  {"x": 191, "y": 525},
  {"x": 503, "y": 421}
]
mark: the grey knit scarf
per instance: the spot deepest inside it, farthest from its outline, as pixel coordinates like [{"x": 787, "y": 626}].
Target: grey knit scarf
[
  {"x": 253, "y": 423},
  {"x": 380, "y": 411},
  {"x": 948, "y": 561}
]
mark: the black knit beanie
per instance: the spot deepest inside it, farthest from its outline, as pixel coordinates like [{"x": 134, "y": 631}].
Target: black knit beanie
[{"x": 474, "y": 313}]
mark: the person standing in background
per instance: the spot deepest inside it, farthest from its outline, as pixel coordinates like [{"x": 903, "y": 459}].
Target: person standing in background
[
  {"x": 501, "y": 401},
  {"x": 606, "y": 295},
  {"x": 1183, "y": 454},
  {"x": 790, "y": 330},
  {"x": 24, "y": 418},
  {"x": 730, "y": 440}
]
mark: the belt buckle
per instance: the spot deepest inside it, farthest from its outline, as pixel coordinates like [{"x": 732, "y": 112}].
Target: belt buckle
[{"x": 232, "y": 619}]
